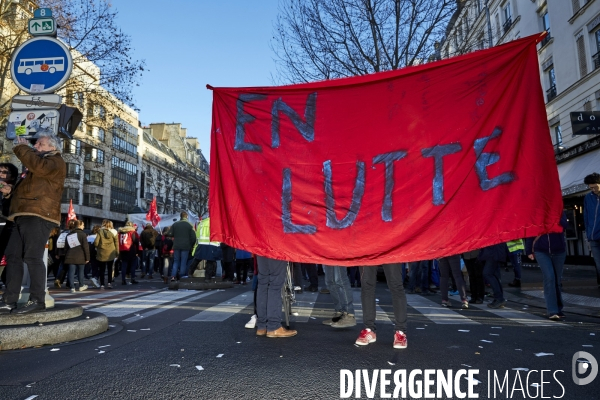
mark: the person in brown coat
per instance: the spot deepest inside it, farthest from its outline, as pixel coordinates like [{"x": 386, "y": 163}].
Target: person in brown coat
[
  {"x": 35, "y": 210},
  {"x": 107, "y": 249},
  {"x": 77, "y": 255}
]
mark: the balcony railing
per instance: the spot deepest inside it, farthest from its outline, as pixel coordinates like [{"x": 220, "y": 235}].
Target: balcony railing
[
  {"x": 507, "y": 24},
  {"x": 596, "y": 60},
  {"x": 551, "y": 93},
  {"x": 546, "y": 39}
]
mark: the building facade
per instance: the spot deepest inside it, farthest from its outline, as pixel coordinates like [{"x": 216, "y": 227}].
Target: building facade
[
  {"x": 570, "y": 77},
  {"x": 114, "y": 167}
]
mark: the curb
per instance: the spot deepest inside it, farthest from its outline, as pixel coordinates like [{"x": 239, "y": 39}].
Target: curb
[
  {"x": 40, "y": 335},
  {"x": 58, "y": 313}
]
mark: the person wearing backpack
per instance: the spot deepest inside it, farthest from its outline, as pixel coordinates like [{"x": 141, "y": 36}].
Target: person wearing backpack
[
  {"x": 107, "y": 249},
  {"x": 184, "y": 239},
  {"x": 77, "y": 254},
  {"x": 128, "y": 248}
]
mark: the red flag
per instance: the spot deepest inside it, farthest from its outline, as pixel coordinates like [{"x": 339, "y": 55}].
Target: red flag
[
  {"x": 406, "y": 165},
  {"x": 71, "y": 214},
  {"x": 152, "y": 214}
]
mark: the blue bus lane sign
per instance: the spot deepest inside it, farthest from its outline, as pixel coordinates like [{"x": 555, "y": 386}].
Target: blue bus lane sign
[{"x": 41, "y": 65}]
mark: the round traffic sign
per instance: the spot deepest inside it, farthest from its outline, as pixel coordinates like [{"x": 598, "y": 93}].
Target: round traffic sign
[{"x": 41, "y": 65}]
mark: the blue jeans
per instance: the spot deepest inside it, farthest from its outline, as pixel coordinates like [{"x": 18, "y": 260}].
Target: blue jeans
[
  {"x": 128, "y": 262},
  {"x": 515, "y": 260},
  {"x": 552, "y": 269},
  {"x": 491, "y": 273},
  {"x": 595, "y": 245},
  {"x": 180, "y": 262},
  {"x": 419, "y": 272},
  {"x": 451, "y": 264},
  {"x": 148, "y": 261},
  {"x": 80, "y": 270},
  {"x": 336, "y": 279},
  {"x": 271, "y": 276}
]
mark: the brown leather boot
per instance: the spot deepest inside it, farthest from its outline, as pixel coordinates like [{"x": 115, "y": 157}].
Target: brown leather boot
[
  {"x": 282, "y": 332},
  {"x": 261, "y": 332}
]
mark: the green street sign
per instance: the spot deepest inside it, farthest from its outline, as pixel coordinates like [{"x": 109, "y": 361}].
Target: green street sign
[{"x": 42, "y": 26}]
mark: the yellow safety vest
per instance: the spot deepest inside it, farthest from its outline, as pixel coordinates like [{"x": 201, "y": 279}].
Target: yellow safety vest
[{"x": 515, "y": 245}]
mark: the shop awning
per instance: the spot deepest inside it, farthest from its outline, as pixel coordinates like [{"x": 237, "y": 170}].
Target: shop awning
[{"x": 572, "y": 172}]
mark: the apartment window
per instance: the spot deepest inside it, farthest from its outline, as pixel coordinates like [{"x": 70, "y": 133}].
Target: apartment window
[
  {"x": 73, "y": 171},
  {"x": 551, "y": 92},
  {"x": 507, "y": 17},
  {"x": 94, "y": 155},
  {"x": 78, "y": 99},
  {"x": 546, "y": 26},
  {"x": 125, "y": 137},
  {"x": 70, "y": 194},
  {"x": 581, "y": 56},
  {"x": 93, "y": 178},
  {"x": 92, "y": 200},
  {"x": 99, "y": 111},
  {"x": 498, "y": 33},
  {"x": 576, "y": 6},
  {"x": 558, "y": 135},
  {"x": 71, "y": 147},
  {"x": 596, "y": 57},
  {"x": 101, "y": 134}
]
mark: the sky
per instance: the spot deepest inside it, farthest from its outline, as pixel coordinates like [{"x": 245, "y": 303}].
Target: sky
[{"x": 190, "y": 43}]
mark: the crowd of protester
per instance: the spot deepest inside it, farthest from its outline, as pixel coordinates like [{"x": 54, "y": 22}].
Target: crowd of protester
[{"x": 102, "y": 254}]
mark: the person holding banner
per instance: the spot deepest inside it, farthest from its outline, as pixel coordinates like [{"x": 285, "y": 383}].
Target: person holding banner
[
  {"x": 271, "y": 276},
  {"x": 393, "y": 276}
]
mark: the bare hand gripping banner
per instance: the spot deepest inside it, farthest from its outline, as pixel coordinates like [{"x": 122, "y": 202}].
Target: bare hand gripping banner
[{"x": 406, "y": 165}]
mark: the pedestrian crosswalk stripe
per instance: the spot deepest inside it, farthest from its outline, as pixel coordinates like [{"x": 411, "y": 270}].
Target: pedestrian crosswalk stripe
[
  {"x": 166, "y": 307},
  {"x": 380, "y": 315},
  {"x": 129, "y": 306},
  {"x": 520, "y": 317},
  {"x": 569, "y": 298},
  {"x": 436, "y": 313},
  {"x": 111, "y": 296},
  {"x": 224, "y": 310}
]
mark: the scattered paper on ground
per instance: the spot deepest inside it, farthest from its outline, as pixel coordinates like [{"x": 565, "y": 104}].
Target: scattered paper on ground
[
  {"x": 199, "y": 368},
  {"x": 486, "y": 341},
  {"x": 543, "y": 354},
  {"x": 220, "y": 355},
  {"x": 101, "y": 352},
  {"x": 175, "y": 365},
  {"x": 464, "y": 330},
  {"x": 131, "y": 330},
  {"x": 55, "y": 350},
  {"x": 106, "y": 345}
]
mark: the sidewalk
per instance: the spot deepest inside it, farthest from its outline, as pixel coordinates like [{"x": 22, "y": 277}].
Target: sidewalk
[{"x": 581, "y": 293}]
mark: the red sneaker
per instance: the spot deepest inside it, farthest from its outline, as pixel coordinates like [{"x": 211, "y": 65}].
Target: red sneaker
[
  {"x": 366, "y": 336},
  {"x": 399, "y": 340}
]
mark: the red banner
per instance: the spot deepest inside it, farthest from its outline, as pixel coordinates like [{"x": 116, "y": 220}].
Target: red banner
[
  {"x": 419, "y": 163},
  {"x": 71, "y": 213},
  {"x": 152, "y": 214}
]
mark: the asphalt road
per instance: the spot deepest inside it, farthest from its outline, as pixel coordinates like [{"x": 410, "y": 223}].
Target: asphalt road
[{"x": 193, "y": 345}]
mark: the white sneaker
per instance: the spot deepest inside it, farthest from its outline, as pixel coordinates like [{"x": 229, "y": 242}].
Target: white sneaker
[
  {"x": 82, "y": 288},
  {"x": 72, "y": 290},
  {"x": 252, "y": 323},
  {"x": 95, "y": 282},
  {"x": 101, "y": 287}
]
